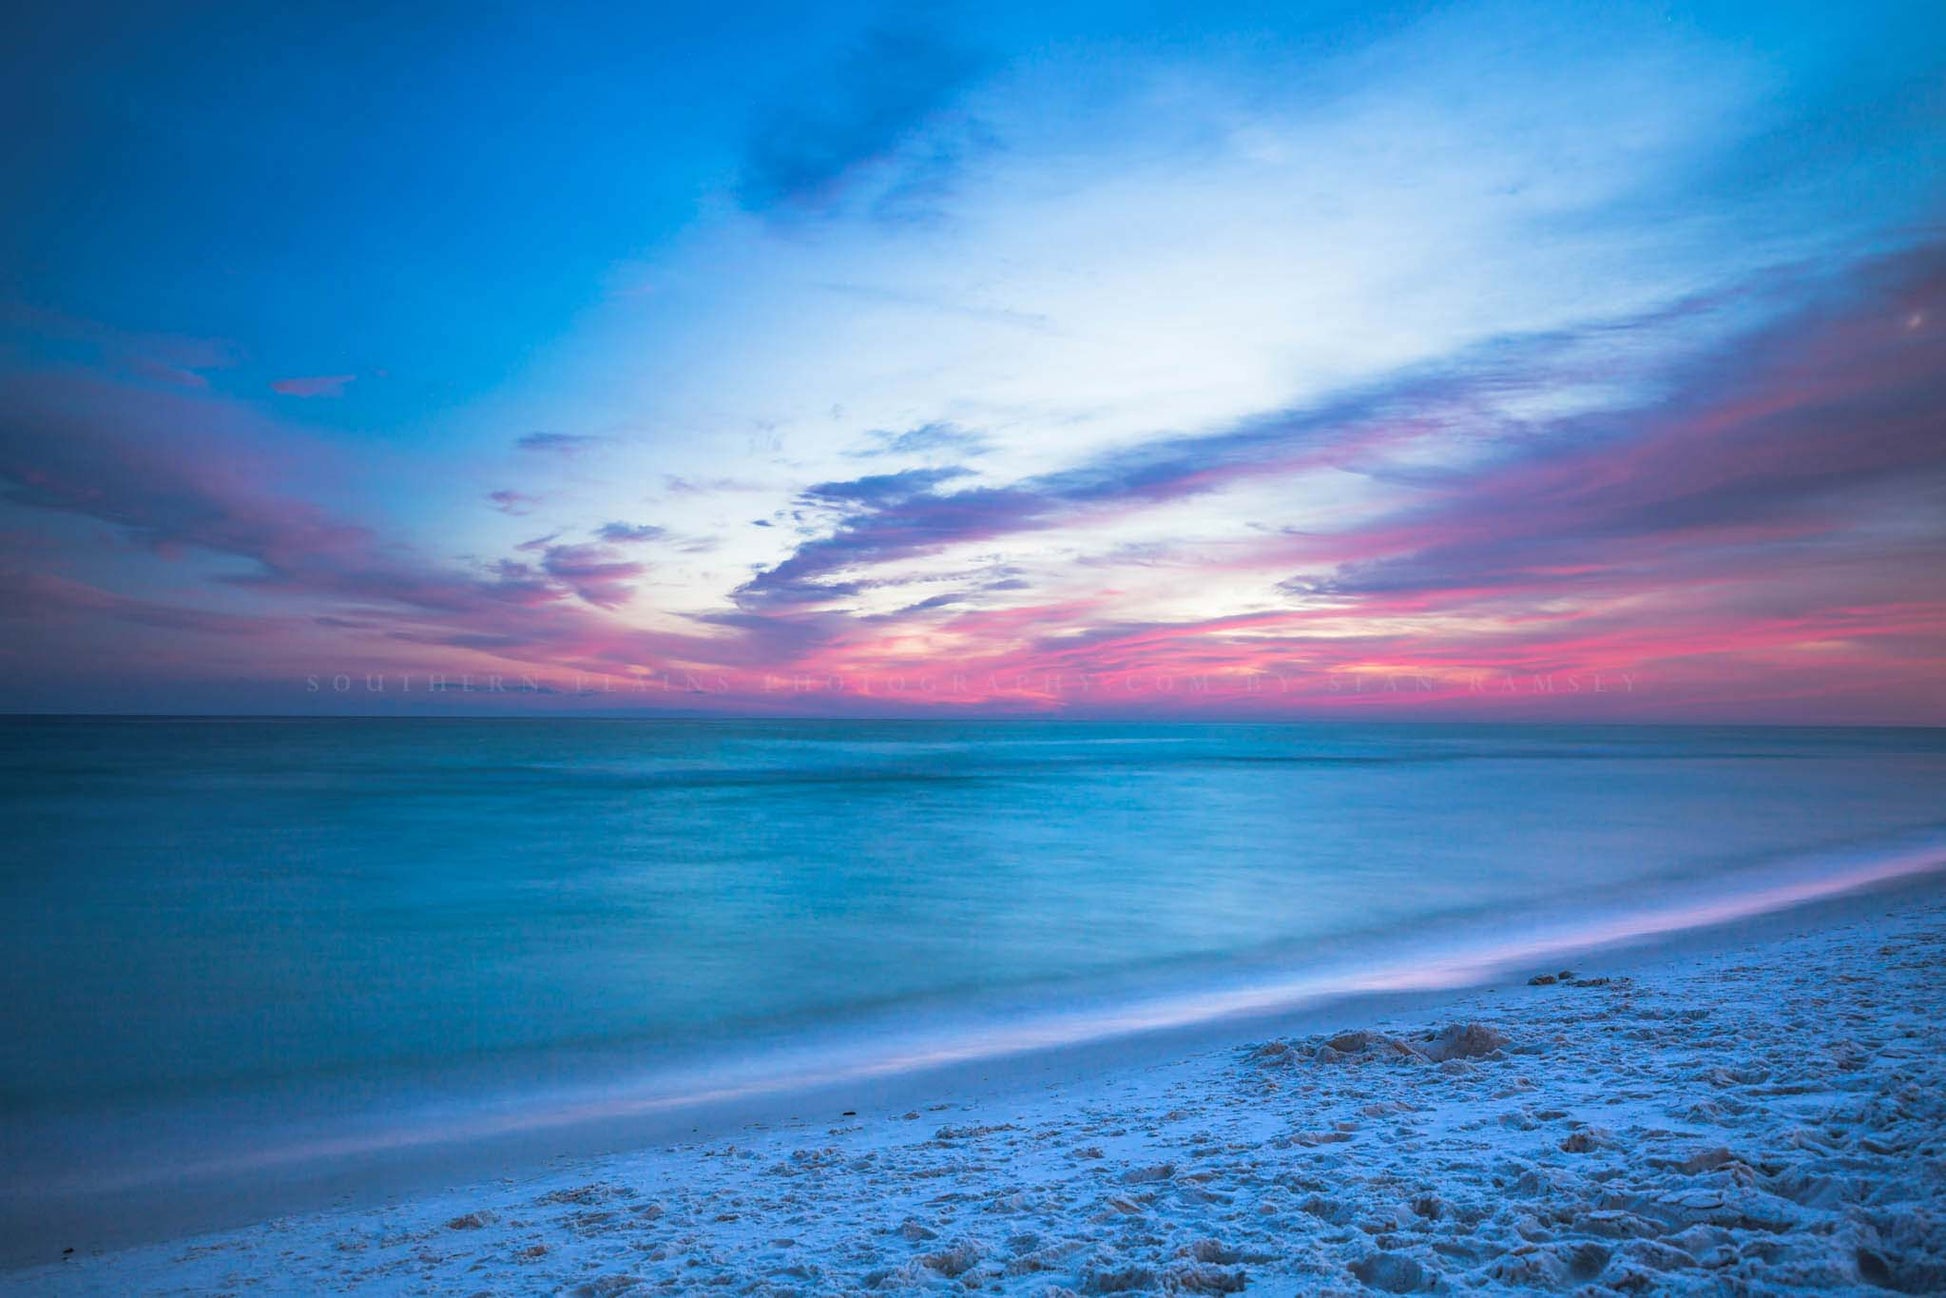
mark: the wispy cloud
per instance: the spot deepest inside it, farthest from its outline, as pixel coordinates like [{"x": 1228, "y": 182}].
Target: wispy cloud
[
  {"x": 40, "y": 595},
  {"x": 176, "y": 359},
  {"x": 626, "y": 533},
  {"x": 509, "y": 501},
  {"x": 803, "y": 151},
  {"x": 558, "y": 443},
  {"x": 315, "y": 385},
  {"x": 194, "y": 475},
  {"x": 596, "y": 573},
  {"x": 940, "y": 437}
]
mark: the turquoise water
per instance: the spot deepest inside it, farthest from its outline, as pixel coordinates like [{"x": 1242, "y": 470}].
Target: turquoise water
[{"x": 239, "y": 917}]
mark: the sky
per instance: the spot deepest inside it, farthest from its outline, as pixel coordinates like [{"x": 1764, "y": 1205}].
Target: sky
[{"x": 1241, "y": 361}]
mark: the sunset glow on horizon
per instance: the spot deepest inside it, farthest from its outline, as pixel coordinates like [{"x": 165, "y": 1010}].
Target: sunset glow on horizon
[{"x": 1482, "y": 362}]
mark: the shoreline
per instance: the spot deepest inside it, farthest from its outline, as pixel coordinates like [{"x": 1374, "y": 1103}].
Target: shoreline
[
  {"x": 1027, "y": 1123},
  {"x": 299, "y": 1157}
]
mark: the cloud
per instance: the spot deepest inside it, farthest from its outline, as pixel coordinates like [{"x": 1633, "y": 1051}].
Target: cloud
[
  {"x": 183, "y": 474},
  {"x": 881, "y": 490},
  {"x": 174, "y": 359},
  {"x": 517, "y": 503},
  {"x": 886, "y": 517},
  {"x": 1780, "y": 489},
  {"x": 1740, "y": 507},
  {"x": 163, "y": 372},
  {"x": 677, "y": 485},
  {"x": 317, "y": 385},
  {"x": 627, "y": 533},
  {"x": 1816, "y": 434},
  {"x": 1369, "y": 431},
  {"x": 173, "y": 469},
  {"x": 595, "y": 573},
  {"x": 803, "y": 152},
  {"x": 39, "y": 595},
  {"x": 938, "y": 436},
  {"x": 558, "y": 443}
]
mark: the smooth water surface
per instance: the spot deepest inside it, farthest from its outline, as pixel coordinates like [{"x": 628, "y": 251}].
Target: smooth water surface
[{"x": 237, "y": 912}]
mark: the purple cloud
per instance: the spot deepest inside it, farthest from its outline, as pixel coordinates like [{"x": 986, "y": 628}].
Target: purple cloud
[
  {"x": 1781, "y": 489},
  {"x": 1665, "y": 470},
  {"x": 629, "y": 533},
  {"x": 558, "y": 443},
  {"x": 180, "y": 473},
  {"x": 1778, "y": 450},
  {"x": 595, "y": 573},
  {"x": 517, "y": 503},
  {"x": 41, "y": 595}
]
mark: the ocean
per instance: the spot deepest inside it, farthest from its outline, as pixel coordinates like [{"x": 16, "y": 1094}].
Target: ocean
[{"x": 238, "y": 944}]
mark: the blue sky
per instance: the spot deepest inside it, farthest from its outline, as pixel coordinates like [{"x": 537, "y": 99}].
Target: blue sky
[{"x": 1031, "y": 340}]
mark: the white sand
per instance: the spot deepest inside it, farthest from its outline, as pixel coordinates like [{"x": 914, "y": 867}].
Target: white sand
[{"x": 1769, "y": 1119}]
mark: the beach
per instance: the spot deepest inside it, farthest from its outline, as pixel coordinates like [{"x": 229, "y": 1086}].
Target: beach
[{"x": 1765, "y": 1116}]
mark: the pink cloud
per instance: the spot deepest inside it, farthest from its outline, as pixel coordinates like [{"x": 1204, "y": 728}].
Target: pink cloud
[{"x": 1759, "y": 542}]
